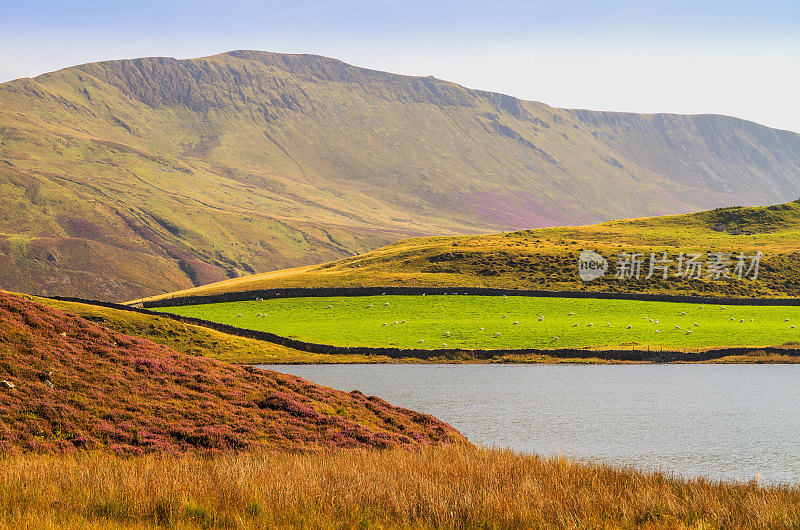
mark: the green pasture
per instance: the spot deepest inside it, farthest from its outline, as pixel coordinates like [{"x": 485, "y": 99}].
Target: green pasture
[{"x": 497, "y": 322}]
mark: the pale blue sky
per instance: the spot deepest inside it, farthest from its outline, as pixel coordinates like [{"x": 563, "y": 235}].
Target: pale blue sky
[{"x": 731, "y": 57}]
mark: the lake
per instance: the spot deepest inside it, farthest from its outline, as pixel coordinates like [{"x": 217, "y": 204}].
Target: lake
[{"x": 727, "y": 422}]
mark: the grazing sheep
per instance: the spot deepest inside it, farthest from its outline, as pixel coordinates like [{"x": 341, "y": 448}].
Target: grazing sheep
[
  {"x": 752, "y": 320},
  {"x": 239, "y": 315},
  {"x": 787, "y": 320},
  {"x": 505, "y": 316},
  {"x": 794, "y": 327},
  {"x": 589, "y": 325},
  {"x": 575, "y": 325},
  {"x": 658, "y": 331},
  {"x": 444, "y": 344},
  {"x": 677, "y": 327},
  {"x": 496, "y": 334},
  {"x": 608, "y": 324},
  {"x": 330, "y": 306},
  {"x": 733, "y": 318},
  {"x": 683, "y": 313},
  {"x": 629, "y": 327},
  {"x": 483, "y": 329},
  {"x": 396, "y": 322},
  {"x": 556, "y": 339},
  {"x": 689, "y": 332},
  {"x": 259, "y": 315},
  {"x": 656, "y": 321},
  {"x": 701, "y": 307},
  {"x": 447, "y": 333},
  {"x": 370, "y": 305},
  {"x": 742, "y": 320},
  {"x": 571, "y": 315},
  {"x": 422, "y": 340},
  {"x": 387, "y": 303},
  {"x": 541, "y": 318},
  {"x": 723, "y": 307},
  {"x": 696, "y": 325},
  {"x": 384, "y": 324},
  {"x": 516, "y": 322},
  {"x": 402, "y": 321}
]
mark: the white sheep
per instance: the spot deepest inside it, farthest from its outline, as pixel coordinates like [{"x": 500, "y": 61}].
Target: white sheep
[
  {"x": 571, "y": 315},
  {"x": 689, "y": 332},
  {"x": 629, "y": 327},
  {"x": 787, "y": 320},
  {"x": 555, "y": 339},
  {"x": 239, "y": 315},
  {"x": 575, "y": 325},
  {"x": 447, "y": 333},
  {"x": 444, "y": 344},
  {"x": 402, "y": 321},
  {"x": 589, "y": 325},
  {"x": 794, "y": 327},
  {"x": 683, "y": 313},
  {"x": 696, "y": 325},
  {"x": 515, "y": 322},
  {"x": 330, "y": 306},
  {"x": 608, "y": 324},
  {"x": 658, "y": 331},
  {"x": 422, "y": 340},
  {"x": 505, "y": 316},
  {"x": 370, "y": 305},
  {"x": 396, "y": 322},
  {"x": 541, "y": 318},
  {"x": 384, "y": 324},
  {"x": 733, "y": 319},
  {"x": 482, "y": 329},
  {"x": 496, "y": 334},
  {"x": 387, "y": 303},
  {"x": 723, "y": 307},
  {"x": 677, "y": 327}
]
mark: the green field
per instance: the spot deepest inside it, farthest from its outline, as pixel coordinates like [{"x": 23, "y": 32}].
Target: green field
[{"x": 474, "y": 322}]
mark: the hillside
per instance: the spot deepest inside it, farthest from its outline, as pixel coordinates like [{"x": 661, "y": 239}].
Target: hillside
[
  {"x": 547, "y": 258},
  {"x": 69, "y": 383},
  {"x": 130, "y": 178}
]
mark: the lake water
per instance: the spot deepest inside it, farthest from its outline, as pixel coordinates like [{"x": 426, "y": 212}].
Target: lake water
[{"x": 728, "y": 422}]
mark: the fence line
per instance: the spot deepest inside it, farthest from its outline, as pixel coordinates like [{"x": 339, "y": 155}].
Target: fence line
[
  {"x": 396, "y": 353},
  {"x": 298, "y": 292}
]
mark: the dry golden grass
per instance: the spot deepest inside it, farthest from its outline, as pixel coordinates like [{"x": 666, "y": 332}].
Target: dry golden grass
[{"x": 449, "y": 487}]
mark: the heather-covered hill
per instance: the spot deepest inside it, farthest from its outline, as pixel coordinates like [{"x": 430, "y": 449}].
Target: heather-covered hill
[
  {"x": 68, "y": 383},
  {"x": 129, "y": 178}
]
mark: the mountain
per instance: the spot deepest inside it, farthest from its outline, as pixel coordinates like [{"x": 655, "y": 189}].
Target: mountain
[
  {"x": 128, "y": 178},
  {"x": 547, "y": 258},
  {"x": 69, "y": 383}
]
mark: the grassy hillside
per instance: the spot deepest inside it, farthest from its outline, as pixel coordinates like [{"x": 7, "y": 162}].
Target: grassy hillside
[
  {"x": 547, "y": 258},
  {"x": 515, "y": 322},
  {"x": 196, "y": 340},
  {"x": 129, "y": 178},
  {"x": 446, "y": 487},
  {"x": 72, "y": 384}
]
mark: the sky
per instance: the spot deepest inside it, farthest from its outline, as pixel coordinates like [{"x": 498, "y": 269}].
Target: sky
[{"x": 740, "y": 58}]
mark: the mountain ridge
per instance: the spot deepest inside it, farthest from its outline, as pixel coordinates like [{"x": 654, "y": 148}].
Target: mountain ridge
[{"x": 131, "y": 177}]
